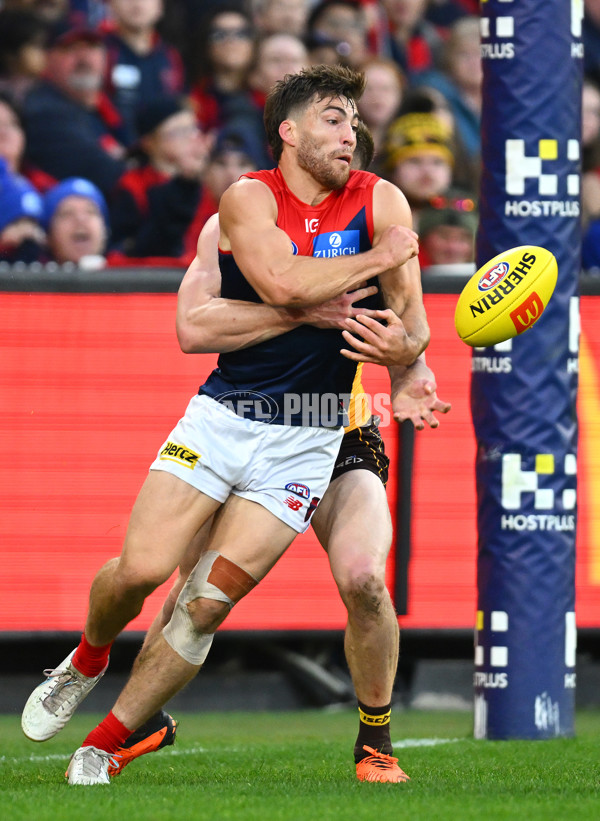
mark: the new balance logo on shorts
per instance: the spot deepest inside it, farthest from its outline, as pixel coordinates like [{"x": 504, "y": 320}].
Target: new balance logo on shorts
[
  {"x": 293, "y": 503},
  {"x": 180, "y": 454}
]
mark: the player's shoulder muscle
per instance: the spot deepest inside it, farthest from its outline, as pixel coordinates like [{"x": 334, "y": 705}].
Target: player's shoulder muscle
[
  {"x": 247, "y": 202},
  {"x": 390, "y": 206}
]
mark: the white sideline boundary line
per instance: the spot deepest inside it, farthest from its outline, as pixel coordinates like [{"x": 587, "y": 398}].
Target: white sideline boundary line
[
  {"x": 424, "y": 742},
  {"x": 37, "y": 759},
  {"x": 5, "y": 759}
]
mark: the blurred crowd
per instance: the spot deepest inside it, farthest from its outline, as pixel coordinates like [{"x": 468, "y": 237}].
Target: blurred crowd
[{"x": 123, "y": 121}]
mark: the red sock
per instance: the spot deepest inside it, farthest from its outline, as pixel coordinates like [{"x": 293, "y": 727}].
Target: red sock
[
  {"x": 109, "y": 735},
  {"x": 90, "y": 660}
]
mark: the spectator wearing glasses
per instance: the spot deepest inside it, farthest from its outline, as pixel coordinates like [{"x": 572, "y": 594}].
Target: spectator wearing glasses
[
  {"x": 225, "y": 54},
  {"x": 155, "y": 205},
  {"x": 140, "y": 64}
]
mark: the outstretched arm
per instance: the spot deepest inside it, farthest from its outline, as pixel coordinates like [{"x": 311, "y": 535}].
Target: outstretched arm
[{"x": 414, "y": 396}]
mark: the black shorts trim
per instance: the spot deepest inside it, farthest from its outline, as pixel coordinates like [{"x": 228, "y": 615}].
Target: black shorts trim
[{"x": 362, "y": 449}]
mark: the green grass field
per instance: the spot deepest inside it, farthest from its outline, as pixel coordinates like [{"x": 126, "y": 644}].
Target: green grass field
[{"x": 298, "y": 767}]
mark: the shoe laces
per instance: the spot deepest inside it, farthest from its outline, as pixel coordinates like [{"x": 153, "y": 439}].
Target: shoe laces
[
  {"x": 93, "y": 761},
  {"x": 381, "y": 760},
  {"x": 64, "y": 679}
]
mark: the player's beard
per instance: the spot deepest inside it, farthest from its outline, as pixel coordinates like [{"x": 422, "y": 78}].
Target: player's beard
[{"x": 325, "y": 169}]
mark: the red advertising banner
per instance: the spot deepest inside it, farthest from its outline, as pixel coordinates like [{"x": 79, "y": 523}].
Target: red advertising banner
[{"x": 90, "y": 386}]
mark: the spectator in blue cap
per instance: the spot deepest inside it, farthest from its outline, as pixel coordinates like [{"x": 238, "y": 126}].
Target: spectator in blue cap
[
  {"x": 21, "y": 234},
  {"x": 76, "y": 219}
]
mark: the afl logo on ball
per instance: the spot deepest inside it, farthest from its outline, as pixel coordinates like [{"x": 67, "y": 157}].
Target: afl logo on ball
[{"x": 492, "y": 277}]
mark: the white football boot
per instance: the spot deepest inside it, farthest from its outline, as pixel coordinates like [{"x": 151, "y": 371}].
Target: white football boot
[
  {"x": 89, "y": 766},
  {"x": 54, "y": 701}
]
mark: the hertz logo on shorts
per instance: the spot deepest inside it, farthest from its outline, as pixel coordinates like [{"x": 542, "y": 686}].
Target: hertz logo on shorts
[{"x": 178, "y": 453}]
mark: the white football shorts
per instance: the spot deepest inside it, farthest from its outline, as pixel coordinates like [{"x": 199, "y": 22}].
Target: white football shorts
[{"x": 284, "y": 468}]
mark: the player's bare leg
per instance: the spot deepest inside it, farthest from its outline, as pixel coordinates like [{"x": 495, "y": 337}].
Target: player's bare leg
[
  {"x": 353, "y": 524},
  {"x": 165, "y": 517},
  {"x": 245, "y": 536},
  {"x": 160, "y": 730},
  {"x": 193, "y": 552}
]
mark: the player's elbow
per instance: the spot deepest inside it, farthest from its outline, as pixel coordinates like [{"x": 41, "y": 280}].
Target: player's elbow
[
  {"x": 281, "y": 294},
  {"x": 193, "y": 338},
  {"x": 186, "y": 342}
]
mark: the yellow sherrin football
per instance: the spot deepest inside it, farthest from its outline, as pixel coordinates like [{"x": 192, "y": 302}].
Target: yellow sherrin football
[{"x": 506, "y": 296}]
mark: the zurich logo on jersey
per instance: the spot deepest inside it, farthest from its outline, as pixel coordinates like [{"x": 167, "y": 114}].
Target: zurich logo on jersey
[{"x": 336, "y": 244}]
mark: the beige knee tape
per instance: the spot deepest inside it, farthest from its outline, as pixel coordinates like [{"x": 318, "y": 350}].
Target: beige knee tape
[{"x": 216, "y": 578}]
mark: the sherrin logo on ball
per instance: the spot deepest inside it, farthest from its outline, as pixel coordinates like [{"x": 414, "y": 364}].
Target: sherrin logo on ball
[{"x": 506, "y": 296}]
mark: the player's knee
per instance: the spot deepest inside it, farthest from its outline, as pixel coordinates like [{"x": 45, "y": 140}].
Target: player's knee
[
  {"x": 213, "y": 587},
  {"x": 206, "y": 614},
  {"x": 362, "y": 587},
  {"x": 138, "y": 578}
]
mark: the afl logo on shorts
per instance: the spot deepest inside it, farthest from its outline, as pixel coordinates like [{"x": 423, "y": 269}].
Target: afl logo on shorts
[
  {"x": 249, "y": 405},
  {"x": 298, "y": 489},
  {"x": 493, "y": 276}
]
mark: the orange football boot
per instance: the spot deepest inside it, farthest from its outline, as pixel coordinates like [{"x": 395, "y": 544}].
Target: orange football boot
[
  {"x": 380, "y": 767},
  {"x": 158, "y": 732}
]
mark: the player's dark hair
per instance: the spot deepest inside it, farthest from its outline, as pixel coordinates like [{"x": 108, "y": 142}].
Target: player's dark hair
[
  {"x": 296, "y": 91},
  {"x": 365, "y": 147}
]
